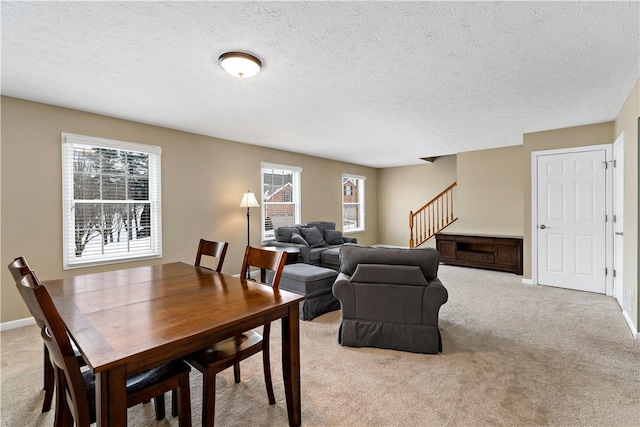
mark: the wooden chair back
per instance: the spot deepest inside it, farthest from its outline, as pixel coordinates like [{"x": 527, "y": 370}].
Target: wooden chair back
[
  {"x": 213, "y": 249},
  {"x": 18, "y": 268},
  {"x": 264, "y": 259},
  {"x": 69, "y": 381}
]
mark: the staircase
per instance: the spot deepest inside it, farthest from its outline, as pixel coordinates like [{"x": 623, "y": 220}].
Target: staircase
[{"x": 431, "y": 217}]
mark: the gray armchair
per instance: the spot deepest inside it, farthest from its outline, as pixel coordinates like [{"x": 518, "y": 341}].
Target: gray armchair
[{"x": 390, "y": 298}]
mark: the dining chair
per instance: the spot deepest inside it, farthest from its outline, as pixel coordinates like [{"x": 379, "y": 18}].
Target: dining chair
[
  {"x": 75, "y": 389},
  {"x": 232, "y": 351},
  {"x": 213, "y": 249},
  {"x": 20, "y": 268}
]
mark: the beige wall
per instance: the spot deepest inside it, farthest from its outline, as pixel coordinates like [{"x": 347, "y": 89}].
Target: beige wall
[
  {"x": 405, "y": 189},
  {"x": 627, "y": 122},
  {"x": 489, "y": 195},
  {"x": 203, "y": 180},
  {"x": 494, "y": 188}
]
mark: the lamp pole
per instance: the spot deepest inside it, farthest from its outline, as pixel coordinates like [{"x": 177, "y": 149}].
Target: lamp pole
[
  {"x": 248, "y": 215},
  {"x": 249, "y": 201}
]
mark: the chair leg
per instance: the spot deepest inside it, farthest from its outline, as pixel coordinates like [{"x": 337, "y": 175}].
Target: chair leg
[
  {"x": 183, "y": 404},
  {"x": 48, "y": 381},
  {"x": 208, "y": 398},
  {"x": 236, "y": 366},
  {"x": 46, "y": 362},
  {"x": 174, "y": 403},
  {"x": 159, "y": 404},
  {"x": 236, "y": 372},
  {"x": 266, "y": 363},
  {"x": 63, "y": 416},
  {"x": 68, "y": 418}
]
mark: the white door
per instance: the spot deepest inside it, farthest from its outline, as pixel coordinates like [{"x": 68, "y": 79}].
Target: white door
[
  {"x": 618, "y": 217},
  {"x": 571, "y": 220}
]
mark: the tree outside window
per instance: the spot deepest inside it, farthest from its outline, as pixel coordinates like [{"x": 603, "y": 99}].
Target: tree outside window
[{"x": 111, "y": 201}]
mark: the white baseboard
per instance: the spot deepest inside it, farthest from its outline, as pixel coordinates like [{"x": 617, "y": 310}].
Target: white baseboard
[
  {"x": 17, "y": 323},
  {"x": 634, "y": 332},
  {"x": 527, "y": 281}
]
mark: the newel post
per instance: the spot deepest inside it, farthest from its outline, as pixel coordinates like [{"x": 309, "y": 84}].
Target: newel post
[{"x": 411, "y": 241}]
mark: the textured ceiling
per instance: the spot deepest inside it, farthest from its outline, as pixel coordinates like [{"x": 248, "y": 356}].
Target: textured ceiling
[{"x": 374, "y": 83}]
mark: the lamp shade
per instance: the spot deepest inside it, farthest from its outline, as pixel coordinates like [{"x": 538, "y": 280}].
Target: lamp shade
[
  {"x": 249, "y": 201},
  {"x": 240, "y": 64}
]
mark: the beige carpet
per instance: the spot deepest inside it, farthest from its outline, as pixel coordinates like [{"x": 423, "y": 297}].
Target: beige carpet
[{"x": 514, "y": 355}]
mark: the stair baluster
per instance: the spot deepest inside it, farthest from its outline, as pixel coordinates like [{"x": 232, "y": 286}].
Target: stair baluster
[{"x": 431, "y": 217}]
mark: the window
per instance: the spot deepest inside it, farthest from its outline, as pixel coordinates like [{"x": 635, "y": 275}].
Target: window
[
  {"x": 352, "y": 203},
  {"x": 280, "y": 197},
  {"x": 111, "y": 201}
]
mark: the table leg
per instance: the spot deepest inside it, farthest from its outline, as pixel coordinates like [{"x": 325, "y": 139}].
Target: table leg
[
  {"x": 291, "y": 364},
  {"x": 111, "y": 397}
]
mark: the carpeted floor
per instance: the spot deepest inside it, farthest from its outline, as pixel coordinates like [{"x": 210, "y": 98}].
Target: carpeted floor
[{"x": 514, "y": 355}]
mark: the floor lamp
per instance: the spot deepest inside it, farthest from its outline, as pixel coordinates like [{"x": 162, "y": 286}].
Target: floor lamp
[{"x": 249, "y": 201}]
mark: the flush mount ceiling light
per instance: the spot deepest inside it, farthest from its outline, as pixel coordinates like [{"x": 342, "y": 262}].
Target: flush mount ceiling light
[{"x": 240, "y": 64}]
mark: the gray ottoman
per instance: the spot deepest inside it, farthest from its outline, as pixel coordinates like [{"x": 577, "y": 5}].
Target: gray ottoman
[
  {"x": 314, "y": 283},
  {"x": 331, "y": 259}
]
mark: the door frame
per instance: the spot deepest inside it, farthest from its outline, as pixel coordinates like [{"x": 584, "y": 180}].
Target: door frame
[
  {"x": 618, "y": 292},
  {"x": 608, "y": 261}
]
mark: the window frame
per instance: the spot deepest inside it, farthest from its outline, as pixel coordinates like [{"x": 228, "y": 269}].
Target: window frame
[
  {"x": 360, "y": 185},
  {"x": 295, "y": 193},
  {"x": 72, "y": 142}
]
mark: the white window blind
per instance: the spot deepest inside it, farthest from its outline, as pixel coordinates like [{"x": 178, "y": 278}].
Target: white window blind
[
  {"x": 280, "y": 197},
  {"x": 111, "y": 201},
  {"x": 352, "y": 203}
]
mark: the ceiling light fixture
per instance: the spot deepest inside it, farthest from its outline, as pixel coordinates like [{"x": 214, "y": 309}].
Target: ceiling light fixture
[{"x": 240, "y": 64}]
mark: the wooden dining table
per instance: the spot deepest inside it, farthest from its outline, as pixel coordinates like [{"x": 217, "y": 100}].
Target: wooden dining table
[{"x": 130, "y": 320}]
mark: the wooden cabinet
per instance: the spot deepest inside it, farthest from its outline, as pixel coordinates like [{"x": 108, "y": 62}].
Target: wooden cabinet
[{"x": 503, "y": 253}]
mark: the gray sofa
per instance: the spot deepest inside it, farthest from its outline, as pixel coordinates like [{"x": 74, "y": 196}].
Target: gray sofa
[
  {"x": 390, "y": 298},
  {"x": 313, "y": 239}
]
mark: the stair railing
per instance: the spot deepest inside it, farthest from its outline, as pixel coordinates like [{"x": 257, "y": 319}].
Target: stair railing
[{"x": 431, "y": 217}]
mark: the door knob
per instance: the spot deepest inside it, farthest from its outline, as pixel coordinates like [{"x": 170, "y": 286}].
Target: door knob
[{"x": 542, "y": 227}]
